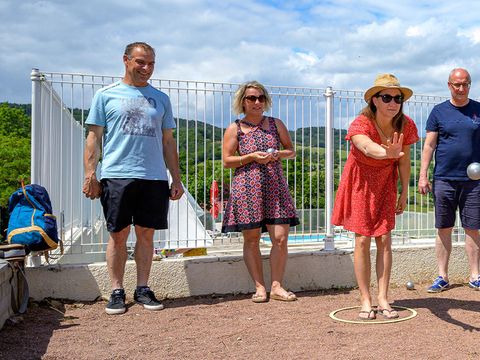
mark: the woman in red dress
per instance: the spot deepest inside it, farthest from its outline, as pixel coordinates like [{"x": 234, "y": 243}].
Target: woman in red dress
[
  {"x": 366, "y": 201},
  {"x": 259, "y": 198}
]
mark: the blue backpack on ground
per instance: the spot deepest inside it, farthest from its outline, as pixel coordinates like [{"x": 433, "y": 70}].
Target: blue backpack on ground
[{"x": 31, "y": 220}]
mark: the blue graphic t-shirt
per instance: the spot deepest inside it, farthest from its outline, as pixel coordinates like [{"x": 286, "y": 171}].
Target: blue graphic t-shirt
[
  {"x": 458, "y": 142},
  {"x": 133, "y": 119}
]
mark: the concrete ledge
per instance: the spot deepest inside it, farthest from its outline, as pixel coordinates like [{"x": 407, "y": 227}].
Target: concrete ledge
[{"x": 183, "y": 277}]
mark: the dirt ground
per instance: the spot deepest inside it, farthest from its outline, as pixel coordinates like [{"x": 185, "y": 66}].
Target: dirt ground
[{"x": 447, "y": 326}]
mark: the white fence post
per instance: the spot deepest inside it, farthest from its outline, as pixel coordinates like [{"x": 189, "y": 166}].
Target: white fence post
[
  {"x": 36, "y": 76},
  {"x": 329, "y": 176}
]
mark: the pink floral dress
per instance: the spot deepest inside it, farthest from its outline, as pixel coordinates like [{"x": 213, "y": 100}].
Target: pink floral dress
[{"x": 259, "y": 194}]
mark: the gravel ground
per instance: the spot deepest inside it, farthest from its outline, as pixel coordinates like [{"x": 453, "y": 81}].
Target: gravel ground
[{"x": 447, "y": 326}]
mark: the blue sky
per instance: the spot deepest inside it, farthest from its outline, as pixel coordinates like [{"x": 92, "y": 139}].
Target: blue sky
[{"x": 340, "y": 43}]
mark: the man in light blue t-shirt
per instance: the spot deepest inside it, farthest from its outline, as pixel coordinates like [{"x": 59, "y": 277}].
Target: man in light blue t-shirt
[
  {"x": 136, "y": 124},
  {"x": 453, "y": 134}
]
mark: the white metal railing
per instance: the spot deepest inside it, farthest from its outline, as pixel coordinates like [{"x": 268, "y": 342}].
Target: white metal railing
[
  {"x": 57, "y": 163},
  {"x": 202, "y": 111}
]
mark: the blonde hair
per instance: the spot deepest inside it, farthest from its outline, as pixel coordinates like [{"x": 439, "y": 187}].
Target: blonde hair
[{"x": 237, "y": 105}]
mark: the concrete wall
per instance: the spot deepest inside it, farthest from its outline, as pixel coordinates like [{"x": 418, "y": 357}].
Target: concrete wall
[{"x": 227, "y": 274}]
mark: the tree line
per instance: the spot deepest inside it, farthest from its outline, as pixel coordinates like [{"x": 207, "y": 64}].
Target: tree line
[{"x": 14, "y": 154}]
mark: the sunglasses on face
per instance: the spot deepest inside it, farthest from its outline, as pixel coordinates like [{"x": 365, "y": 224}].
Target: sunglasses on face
[
  {"x": 254, "y": 99},
  {"x": 387, "y": 98}
]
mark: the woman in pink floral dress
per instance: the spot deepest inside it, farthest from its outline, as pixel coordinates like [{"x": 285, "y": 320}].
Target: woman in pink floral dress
[{"x": 259, "y": 198}]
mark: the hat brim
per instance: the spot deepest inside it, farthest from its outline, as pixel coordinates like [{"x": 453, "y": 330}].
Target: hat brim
[{"x": 406, "y": 92}]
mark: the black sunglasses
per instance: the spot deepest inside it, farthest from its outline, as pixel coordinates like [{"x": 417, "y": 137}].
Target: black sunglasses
[
  {"x": 387, "y": 98},
  {"x": 254, "y": 99}
]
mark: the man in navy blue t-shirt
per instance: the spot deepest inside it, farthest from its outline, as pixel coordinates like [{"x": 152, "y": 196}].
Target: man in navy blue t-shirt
[{"x": 453, "y": 134}]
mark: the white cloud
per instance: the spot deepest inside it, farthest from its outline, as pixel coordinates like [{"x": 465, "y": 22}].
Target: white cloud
[
  {"x": 302, "y": 61},
  {"x": 297, "y": 43},
  {"x": 427, "y": 28},
  {"x": 473, "y": 34},
  {"x": 415, "y": 31}
]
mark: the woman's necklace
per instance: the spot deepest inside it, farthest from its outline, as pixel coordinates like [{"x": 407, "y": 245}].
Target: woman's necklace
[
  {"x": 252, "y": 125},
  {"x": 381, "y": 131}
]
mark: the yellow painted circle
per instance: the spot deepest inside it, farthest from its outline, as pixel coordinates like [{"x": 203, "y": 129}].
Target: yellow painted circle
[{"x": 411, "y": 316}]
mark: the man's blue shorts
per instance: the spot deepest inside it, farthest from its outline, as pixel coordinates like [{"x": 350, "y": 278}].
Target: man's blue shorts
[
  {"x": 135, "y": 201},
  {"x": 450, "y": 195}
]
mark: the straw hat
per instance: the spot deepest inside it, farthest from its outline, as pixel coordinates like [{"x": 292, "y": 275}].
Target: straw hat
[{"x": 387, "y": 81}]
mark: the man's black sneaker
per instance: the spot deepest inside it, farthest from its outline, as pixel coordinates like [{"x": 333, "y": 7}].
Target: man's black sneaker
[
  {"x": 116, "y": 305},
  {"x": 147, "y": 298}
]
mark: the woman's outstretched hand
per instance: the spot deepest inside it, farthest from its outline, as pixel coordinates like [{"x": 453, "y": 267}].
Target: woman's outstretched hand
[{"x": 393, "y": 148}]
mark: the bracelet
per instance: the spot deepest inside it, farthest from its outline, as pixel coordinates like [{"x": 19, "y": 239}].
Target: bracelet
[{"x": 241, "y": 163}]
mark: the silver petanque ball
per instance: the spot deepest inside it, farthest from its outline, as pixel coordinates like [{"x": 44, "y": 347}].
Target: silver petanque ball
[
  {"x": 410, "y": 285},
  {"x": 271, "y": 151},
  {"x": 473, "y": 171}
]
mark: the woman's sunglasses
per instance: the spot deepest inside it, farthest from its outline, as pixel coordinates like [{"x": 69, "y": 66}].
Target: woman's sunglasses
[
  {"x": 254, "y": 99},
  {"x": 387, "y": 98}
]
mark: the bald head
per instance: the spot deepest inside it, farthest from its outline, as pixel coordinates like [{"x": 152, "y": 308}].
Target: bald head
[
  {"x": 459, "y": 83},
  {"x": 459, "y": 73}
]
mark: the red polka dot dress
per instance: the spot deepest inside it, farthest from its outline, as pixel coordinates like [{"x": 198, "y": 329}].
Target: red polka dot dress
[
  {"x": 259, "y": 194},
  {"x": 367, "y": 195}
]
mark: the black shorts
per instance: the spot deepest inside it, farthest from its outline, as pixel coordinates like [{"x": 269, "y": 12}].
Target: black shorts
[{"x": 135, "y": 201}]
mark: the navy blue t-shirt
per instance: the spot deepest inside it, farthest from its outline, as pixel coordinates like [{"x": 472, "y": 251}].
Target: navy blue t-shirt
[{"x": 458, "y": 142}]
